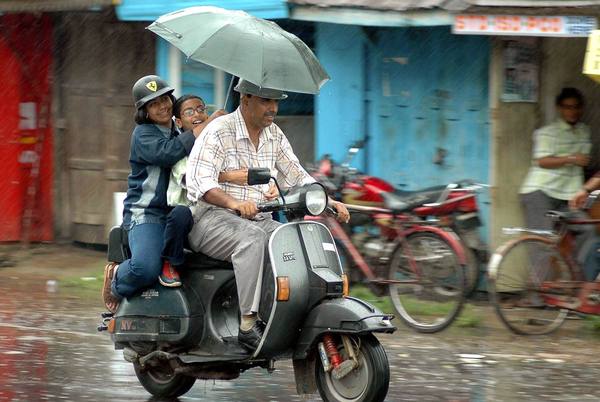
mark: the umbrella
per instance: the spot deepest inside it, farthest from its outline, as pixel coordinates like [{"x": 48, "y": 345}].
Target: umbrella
[{"x": 243, "y": 45}]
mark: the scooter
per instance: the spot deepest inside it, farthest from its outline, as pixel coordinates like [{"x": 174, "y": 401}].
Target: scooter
[{"x": 174, "y": 336}]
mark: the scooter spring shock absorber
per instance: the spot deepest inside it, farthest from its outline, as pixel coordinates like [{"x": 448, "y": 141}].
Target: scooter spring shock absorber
[{"x": 332, "y": 350}]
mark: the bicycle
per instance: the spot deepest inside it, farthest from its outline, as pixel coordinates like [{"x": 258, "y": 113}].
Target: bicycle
[
  {"x": 534, "y": 280},
  {"x": 419, "y": 265}
]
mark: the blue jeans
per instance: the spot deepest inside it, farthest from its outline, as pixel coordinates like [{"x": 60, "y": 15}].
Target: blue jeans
[
  {"x": 142, "y": 269},
  {"x": 150, "y": 243}
]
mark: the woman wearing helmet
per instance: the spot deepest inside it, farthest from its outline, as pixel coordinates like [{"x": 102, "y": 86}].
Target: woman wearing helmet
[{"x": 155, "y": 147}]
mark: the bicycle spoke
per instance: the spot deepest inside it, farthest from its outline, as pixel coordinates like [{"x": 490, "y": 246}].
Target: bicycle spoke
[
  {"x": 516, "y": 286},
  {"x": 426, "y": 282}
]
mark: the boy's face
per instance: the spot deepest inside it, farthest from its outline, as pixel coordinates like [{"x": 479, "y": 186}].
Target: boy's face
[{"x": 193, "y": 112}]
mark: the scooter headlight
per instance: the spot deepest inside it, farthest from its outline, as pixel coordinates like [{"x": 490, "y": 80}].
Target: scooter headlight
[{"x": 316, "y": 199}]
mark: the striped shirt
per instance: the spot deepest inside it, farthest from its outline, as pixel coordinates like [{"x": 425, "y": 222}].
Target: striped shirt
[
  {"x": 557, "y": 139},
  {"x": 225, "y": 145}
]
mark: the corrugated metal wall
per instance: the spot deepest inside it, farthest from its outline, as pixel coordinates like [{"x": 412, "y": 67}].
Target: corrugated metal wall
[{"x": 421, "y": 94}]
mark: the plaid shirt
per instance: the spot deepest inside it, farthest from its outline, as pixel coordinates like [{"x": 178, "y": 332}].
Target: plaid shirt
[
  {"x": 225, "y": 145},
  {"x": 557, "y": 139}
]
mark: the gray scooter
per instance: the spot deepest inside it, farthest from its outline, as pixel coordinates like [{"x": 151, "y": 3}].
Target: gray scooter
[{"x": 174, "y": 336}]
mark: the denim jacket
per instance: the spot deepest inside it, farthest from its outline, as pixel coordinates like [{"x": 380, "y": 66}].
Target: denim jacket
[{"x": 154, "y": 150}]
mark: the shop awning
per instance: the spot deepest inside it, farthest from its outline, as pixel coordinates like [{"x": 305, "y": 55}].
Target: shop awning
[
  {"x": 534, "y": 7},
  {"x": 392, "y": 13},
  {"x": 149, "y": 10},
  {"x": 386, "y": 5},
  {"x": 23, "y": 6},
  {"x": 448, "y": 5},
  {"x": 396, "y": 13}
]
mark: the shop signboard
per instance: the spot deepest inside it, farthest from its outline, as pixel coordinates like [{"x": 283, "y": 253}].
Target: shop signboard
[
  {"x": 524, "y": 25},
  {"x": 591, "y": 63}
]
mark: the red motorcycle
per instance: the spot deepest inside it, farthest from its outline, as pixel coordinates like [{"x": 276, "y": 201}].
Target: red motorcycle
[{"x": 453, "y": 206}]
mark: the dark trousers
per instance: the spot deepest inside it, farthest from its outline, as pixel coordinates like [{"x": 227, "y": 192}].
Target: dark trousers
[{"x": 179, "y": 224}]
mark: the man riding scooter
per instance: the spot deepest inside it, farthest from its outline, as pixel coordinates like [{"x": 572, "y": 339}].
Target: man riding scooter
[{"x": 245, "y": 138}]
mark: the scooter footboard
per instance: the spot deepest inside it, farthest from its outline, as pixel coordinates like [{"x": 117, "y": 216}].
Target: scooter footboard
[{"x": 347, "y": 315}]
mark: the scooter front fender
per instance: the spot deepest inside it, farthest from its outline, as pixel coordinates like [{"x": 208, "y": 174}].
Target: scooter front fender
[{"x": 346, "y": 315}]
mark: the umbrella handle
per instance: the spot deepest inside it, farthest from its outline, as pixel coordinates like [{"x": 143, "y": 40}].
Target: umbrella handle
[{"x": 228, "y": 92}]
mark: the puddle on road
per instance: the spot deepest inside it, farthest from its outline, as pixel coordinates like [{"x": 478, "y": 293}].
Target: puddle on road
[{"x": 50, "y": 350}]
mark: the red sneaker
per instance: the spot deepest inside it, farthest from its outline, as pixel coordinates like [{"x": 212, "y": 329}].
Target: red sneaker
[{"x": 169, "y": 277}]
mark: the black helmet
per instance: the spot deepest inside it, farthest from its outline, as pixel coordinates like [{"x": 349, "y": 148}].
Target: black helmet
[{"x": 148, "y": 88}]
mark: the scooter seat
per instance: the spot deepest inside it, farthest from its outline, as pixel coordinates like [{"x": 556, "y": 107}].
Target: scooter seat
[
  {"x": 202, "y": 261},
  {"x": 118, "y": 251}
]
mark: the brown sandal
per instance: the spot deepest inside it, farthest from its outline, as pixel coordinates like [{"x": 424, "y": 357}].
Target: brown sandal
[{"x": 110, "y": 301}]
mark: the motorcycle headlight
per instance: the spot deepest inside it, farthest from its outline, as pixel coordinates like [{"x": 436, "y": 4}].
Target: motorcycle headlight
[{"x": 316, "y": 199}]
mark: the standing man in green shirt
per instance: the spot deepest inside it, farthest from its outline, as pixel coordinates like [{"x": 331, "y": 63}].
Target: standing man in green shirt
[{"x": 560, "y": 152}]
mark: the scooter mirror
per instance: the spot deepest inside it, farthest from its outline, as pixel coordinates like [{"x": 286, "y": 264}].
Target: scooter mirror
[{"x": 258, "y": 176}]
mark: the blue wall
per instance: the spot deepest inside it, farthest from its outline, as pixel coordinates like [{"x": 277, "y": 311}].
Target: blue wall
[
  {"x": 339, "y": 118},
  {"x": 413, "y": 91}
]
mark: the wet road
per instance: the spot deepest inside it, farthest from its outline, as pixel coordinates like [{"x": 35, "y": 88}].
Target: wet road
[{"x": 50, "y": 350}]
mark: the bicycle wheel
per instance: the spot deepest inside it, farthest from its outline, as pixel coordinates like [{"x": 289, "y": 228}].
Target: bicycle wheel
[
  {"x": 516, "y": 273},
  {"x": 427, "y": 287}
]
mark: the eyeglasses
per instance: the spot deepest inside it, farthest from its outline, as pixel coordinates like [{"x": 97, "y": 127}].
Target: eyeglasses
[
  {"x": 571, "y": 107},
  {"x": 190, "y": 111}
]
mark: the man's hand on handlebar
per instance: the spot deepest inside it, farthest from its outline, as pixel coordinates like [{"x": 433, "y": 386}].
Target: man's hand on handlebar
[
  {"x": 579, "y": 199},
  {"x": 246, "y": 209},
  {"x": 342, "y": 212}
]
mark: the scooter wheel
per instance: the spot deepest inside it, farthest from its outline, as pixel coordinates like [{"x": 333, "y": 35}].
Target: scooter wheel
[
  {"x": 368, "y": 382},
  {"x": 162, "y": 382}
]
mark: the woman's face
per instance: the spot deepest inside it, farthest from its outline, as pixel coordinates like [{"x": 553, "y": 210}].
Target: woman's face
[
  {"x": 193, "y": 112},
  {"x": 160, "y": 110}
]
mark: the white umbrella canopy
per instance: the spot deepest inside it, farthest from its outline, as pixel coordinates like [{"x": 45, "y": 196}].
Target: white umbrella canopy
[{"x": 243, "y": 45}]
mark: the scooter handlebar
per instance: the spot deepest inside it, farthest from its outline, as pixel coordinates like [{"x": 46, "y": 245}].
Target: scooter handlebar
[{"x": 269, "y": 206}]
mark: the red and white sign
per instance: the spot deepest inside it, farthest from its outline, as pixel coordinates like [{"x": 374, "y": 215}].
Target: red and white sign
[{"x": 524, "y": 25}]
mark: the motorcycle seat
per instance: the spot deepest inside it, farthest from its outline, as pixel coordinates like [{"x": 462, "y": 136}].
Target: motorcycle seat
[
  {"x": 118, "y": 251},
  {"x": 419, "y": 197},
  {"x": 401, "y": 204}
]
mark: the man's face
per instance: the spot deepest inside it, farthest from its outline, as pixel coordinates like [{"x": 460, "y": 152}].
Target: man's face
[
  {"x": 160, "y": 110},
  {"x": 261, "y": 111},
  {"x": 193, "y": 112},
  {"x": 570, "y": 110}
]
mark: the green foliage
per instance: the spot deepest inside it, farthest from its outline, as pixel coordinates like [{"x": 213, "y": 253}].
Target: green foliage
[{"x": 83, "y": 285}]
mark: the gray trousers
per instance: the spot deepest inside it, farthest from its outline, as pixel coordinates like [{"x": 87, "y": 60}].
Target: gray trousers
[
  {"x": 219, "y": 233},
  {"x": 536, "y": 204}
]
